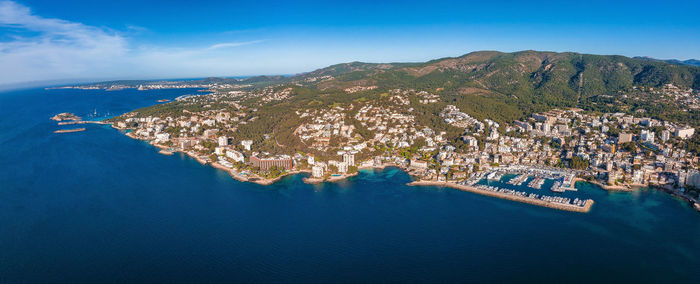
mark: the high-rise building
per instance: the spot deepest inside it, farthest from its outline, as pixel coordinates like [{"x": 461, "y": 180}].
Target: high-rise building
[
  {"x": 317, "y": 171},
  {"x": 223, "y": 141},
  {"x": 342, "y": 167},
  {"x": 665, "y": 135},
  {"x": 647, "y": 136},
  {"x": 349, "y": 159},
  {"x": 265, "y": 164}
]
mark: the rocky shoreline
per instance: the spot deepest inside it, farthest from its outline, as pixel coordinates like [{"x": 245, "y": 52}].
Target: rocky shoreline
[{"x": 312, "y": 180}]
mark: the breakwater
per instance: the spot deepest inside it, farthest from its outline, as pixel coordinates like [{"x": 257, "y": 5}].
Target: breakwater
[
  {"x": 548, "y": 201},
  {"x": 69, "y": 130}
]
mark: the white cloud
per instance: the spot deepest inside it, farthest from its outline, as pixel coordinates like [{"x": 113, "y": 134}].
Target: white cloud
[
  {"x": 53, "y": 48},
  {"x": 42, "y": 49}
]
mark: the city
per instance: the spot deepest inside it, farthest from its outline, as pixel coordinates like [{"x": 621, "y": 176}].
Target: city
[{"x": 617, "y": 151}]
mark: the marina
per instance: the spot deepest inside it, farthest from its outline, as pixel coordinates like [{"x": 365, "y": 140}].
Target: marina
[
  {"x": 528, "y": 183},
  {"x": 554, "y": 202},
  {"x": 518, "y": 180},
  {"x": 536, "y": 183}
]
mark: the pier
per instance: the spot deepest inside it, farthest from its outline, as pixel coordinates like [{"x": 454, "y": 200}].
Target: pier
[
  {"x": 565, "y": 180},
  {"x": 81, "y": 122}
]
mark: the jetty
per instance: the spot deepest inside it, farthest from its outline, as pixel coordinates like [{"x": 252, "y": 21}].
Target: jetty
[
  {"x": 69, "y": 130},
  {"x": 82, "y": 122},
  {"x": 518, "y": 180},
  {"x": 536, "y": 183}
]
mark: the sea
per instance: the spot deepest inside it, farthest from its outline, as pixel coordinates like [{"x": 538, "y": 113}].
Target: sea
[{"x": 97, "y": 206}]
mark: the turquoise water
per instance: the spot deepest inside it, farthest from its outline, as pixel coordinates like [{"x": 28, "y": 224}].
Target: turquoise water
[{"x": 99, "y": 206}]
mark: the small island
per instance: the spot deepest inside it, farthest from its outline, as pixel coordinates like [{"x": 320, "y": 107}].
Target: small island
[{"x": 65, "y": 116}]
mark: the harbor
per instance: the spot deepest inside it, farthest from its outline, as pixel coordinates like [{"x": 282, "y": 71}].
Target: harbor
[
  {"x": 533, "y": 177},
  {"x": 529, "y": 185},
  {"x": 554, "y": 202}
]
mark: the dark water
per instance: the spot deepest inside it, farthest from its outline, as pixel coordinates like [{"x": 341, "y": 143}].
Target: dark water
[{"x": 99, "y": 206}]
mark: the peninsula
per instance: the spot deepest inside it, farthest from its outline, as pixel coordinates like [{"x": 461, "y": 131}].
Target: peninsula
[{"x": 450, "y": 122}]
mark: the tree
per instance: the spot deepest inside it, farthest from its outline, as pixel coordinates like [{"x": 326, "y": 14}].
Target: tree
[
  {"x": 579, "y": 163},
  {"x": 629, "y": 147}
]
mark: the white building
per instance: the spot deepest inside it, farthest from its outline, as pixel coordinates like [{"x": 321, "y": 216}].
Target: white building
[
  {"x": 684, "y": 133},
  {"x": 162, "y": 137},
  {"x": 546, "y": 128},
  {"x": 246, "y": 144},
  {"x": 349, "y": 159},
  {"x": 342, "y": 167},
  {"x": 647, "y": 136},
  {"x": 416, "y": 164},
  {"x": 317, "y": 171},
  {"x": 209, "y": 122},
  {"x": 235, "y": 156},
  {"x": 471, "y": 141},
  {"x": 665, "y": 135},
  {"x": 311, "y": 160},
  {"x": 223, "y": 141}
]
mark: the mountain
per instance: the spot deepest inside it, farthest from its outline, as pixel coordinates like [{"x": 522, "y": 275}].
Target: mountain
[
  {"x": 511, "y": 85},
  {"x": 497, "y": 85},
  {"x": 526, "y": 71},
  {"x": 691, "y": 62},
  {"x": 500, "y": 87}
]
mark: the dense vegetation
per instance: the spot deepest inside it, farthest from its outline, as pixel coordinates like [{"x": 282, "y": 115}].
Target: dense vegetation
[
  {"x": 500, "y": 86},
  {"x": 508, "y": 86}
]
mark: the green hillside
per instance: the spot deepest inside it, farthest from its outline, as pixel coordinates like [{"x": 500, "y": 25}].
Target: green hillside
[{"x": 507, "y": 86}]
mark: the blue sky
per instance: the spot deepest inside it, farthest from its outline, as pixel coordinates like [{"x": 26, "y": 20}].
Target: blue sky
[{"x": 68, "y": 40}]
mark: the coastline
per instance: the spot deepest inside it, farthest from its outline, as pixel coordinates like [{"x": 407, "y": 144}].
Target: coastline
[
  {"x": 623, "y": 188},
  {"x": 309, "y": 180},
  {"x": 254, "y": 179},
  {"x": 565, "y": 207},
  {"x": 695, "y": 204}
]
